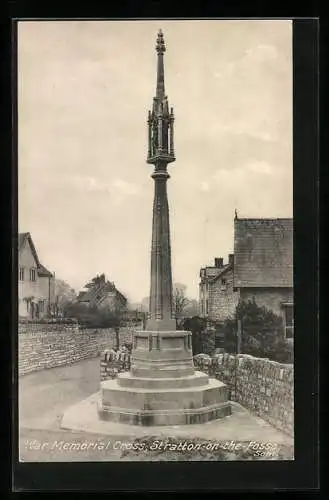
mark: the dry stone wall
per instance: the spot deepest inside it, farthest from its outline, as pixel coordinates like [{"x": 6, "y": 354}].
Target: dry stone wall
[
  {"x": 42, "y": 346},
  {"x": 264, "y": 387},
  {"x": 114, "y": 362}
]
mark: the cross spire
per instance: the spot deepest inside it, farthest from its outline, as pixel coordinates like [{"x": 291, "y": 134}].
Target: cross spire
[
  {"x": 161, "y": 118},
  {"x": 161, "y": 49}
]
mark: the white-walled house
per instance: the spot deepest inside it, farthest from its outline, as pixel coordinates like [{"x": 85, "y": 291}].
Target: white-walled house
[{"x": 36, "y": 285}]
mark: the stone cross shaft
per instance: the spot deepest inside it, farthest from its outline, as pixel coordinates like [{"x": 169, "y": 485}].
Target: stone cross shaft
[{"x": 160, "y": 153}]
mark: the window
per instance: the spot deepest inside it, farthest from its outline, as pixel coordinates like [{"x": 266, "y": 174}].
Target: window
[
  {"x": 223, "y": 284},
  {"x": 32, "y": 275},
  {"x": 289, "y": 320},
  {"x": 41, "y": 306},
  {"x": 21, "y": 274}
]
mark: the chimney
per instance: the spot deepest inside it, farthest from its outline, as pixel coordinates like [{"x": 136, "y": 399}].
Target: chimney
[
  {"x": 218, "y": 262},
  {"x": 231, "y": 259}
]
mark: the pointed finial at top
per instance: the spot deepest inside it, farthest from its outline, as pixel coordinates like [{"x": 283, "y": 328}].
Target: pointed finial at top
[
  {"x": 236, "y": 214},
  {"x": 160, "y": 46}
]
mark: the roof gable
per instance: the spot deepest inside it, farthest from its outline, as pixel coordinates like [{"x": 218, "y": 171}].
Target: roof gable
[
  {"x": 42, "y": 271},
  {"x": 24, "y": 238},
  {"x": 210, "y": 272},
  {"x": 98, "y": 292},
  {"x": 263, "y": 251},
  {"x": 223, "y": 270}
]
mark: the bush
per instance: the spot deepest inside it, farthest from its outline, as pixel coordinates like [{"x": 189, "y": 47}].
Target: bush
[
  {"x": 262, "y": 333},
  {"x": 203, "y": 335},
  {"x": 196, "y": 326},
  {"x": 208, "y": 341},
  {"x": 92, "y": 317}
]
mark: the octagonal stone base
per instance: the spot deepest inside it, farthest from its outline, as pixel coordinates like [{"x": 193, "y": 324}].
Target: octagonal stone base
[
  {"x": 171, "y": 404},
  {"x": 162, "y": 387}
]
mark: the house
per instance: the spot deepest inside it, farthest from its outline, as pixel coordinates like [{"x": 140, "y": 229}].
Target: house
[
  {"x": 260, "y": 269},
  {"x": 36, "y": 285},
  {"x": 217, "y": 300},
  {"x": 101, "y": 293}
]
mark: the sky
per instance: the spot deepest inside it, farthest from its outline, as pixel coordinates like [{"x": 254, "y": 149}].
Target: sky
[{"x": 85, "y": 191}]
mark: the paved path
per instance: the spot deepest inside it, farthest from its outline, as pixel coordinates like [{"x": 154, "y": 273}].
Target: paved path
[
  {"x": 43, "y": 398},
  {"x": 44, "y": 395}
]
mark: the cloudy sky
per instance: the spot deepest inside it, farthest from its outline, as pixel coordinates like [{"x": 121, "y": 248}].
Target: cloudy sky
[{"x": 85, "y": 192}]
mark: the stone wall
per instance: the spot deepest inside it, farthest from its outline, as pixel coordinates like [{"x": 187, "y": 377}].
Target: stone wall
[
  {"x": 262, "y": 386},
  {"x": 43, "y": 346},
  {"x": 113, "y": 362}
]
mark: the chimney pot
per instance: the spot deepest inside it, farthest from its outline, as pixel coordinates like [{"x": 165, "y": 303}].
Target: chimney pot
[
  {"x": 231, "y": 259},
  {"x": 218, "y": 262}
]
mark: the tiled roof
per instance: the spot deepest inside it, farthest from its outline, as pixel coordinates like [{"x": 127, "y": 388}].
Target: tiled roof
[
  {"x": 222, "y": 270},
  {"x": 212, "y": 273},
  {"x": 263, "y": 251},
  {"x": 101, "y": 290},
  {"x": 209, "y": 272},
  {"x": 42, "y": 271}
]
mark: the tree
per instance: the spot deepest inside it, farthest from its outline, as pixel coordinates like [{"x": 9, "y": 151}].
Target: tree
[
  {"x": 96, "y": 281},
  {"x": 64, "y": 295},
  {"x": 145, "y": 304},
  {"x": 262, "y": 333},
  {"x": 197, "y": 327},
  {"x": 180, "y": 300},
  {"x": 90, "y": 316},
  {"x": 192, "y": 308}
]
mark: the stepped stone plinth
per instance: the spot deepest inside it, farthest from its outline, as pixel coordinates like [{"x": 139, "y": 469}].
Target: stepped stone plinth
[{"x": 162, "y": 387}]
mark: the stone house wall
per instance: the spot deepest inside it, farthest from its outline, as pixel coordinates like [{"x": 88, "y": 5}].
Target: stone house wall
[
  {"x": 42, "y": 289},
  {"x": 271, "y": 298},
  {"x": 222, "y": 299}
]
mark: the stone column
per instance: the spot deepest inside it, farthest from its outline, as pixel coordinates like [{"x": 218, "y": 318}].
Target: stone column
[{"x": 161, "y": 293}]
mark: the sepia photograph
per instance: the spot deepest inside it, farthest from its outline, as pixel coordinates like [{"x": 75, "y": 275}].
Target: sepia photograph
[{"x": 155, "y": 240}]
